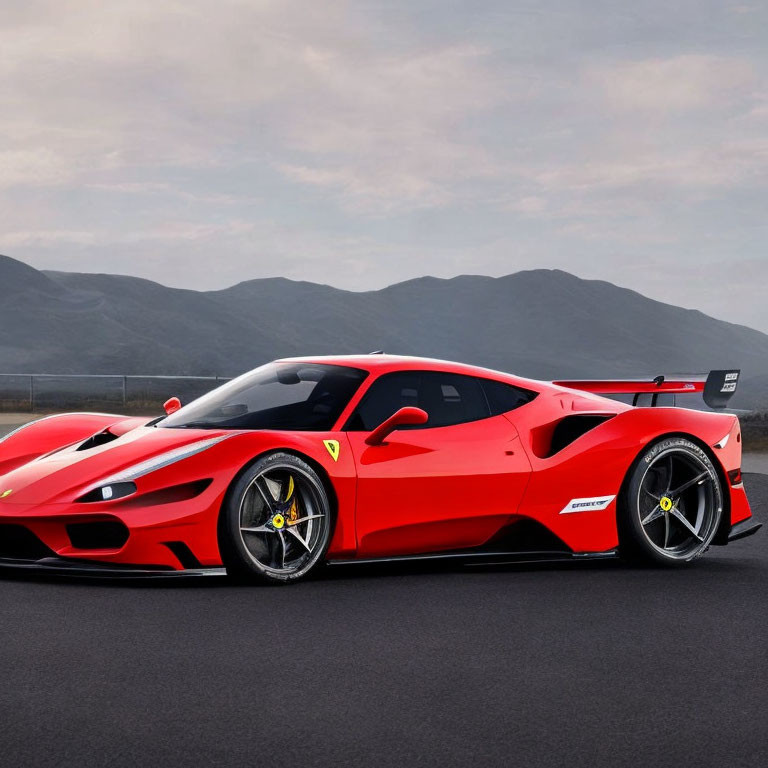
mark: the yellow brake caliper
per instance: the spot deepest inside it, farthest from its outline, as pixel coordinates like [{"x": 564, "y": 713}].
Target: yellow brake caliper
[{"x": 293, "y": 511}]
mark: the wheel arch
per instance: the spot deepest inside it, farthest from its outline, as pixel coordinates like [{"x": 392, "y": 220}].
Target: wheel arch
[
  {"x": 725, "y": 520},
  {"x": 322, "y": 473}
]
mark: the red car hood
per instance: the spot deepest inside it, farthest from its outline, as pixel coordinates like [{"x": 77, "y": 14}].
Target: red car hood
[{"x": 64, "y": 475}]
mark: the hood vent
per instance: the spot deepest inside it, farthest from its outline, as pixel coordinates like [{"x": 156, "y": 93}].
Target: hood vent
[{"x": 94, "y": 441}]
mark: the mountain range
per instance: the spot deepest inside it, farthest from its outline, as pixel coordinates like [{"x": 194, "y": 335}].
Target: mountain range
[{"x": 538, "y": 323}]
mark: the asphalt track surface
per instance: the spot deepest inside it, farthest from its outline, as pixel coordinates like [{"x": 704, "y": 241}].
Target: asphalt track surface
[{"x": 577, "y": 665}]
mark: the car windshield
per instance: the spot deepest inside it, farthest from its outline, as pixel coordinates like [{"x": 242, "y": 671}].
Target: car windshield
[{"x": 285, "y": 396}]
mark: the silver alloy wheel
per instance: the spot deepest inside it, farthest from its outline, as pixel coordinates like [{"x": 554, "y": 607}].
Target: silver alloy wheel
[
  {"x": 283, "y": 520},
  {"x": 677, "y": 503}
]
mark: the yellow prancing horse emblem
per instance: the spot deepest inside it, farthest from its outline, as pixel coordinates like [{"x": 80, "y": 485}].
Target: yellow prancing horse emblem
[
  {"x": 5, "y": 494},
  {"x": 666, "y": 503},
  {"x": 333, "y": 448}
]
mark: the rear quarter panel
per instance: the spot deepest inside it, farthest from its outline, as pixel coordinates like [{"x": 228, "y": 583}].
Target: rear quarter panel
[{"x": 596, "y": 464}]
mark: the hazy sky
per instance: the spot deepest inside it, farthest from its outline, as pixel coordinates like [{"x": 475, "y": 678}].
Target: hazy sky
[{"x": 363, "y": 143}]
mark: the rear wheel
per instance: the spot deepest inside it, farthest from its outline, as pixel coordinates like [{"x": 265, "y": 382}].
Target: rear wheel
[
  {"x": 275, "y": 525},
  {"x": 673, "y": 503}
]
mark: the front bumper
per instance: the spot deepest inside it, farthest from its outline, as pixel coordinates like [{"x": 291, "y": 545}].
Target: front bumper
[{"x": 180, "y": 535}]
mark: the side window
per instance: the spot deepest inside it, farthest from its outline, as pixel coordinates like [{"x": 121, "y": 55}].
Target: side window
[
  {"x": 503, "y": 398},
  {"x": 452, "y": 399},
  {"x": 448, "y": 399},
  {"x": 387, "y": 394}
]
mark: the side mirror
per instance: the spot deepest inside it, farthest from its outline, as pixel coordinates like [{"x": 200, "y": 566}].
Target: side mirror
[
  {"x": 398, "y": 419},
  {"x": 172, "y": 405}
]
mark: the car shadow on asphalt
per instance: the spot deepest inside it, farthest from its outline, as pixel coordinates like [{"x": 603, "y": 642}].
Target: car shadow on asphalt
[{"x": 380, "y": 573}]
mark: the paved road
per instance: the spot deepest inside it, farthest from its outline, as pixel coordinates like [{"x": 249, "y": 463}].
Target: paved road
[
  {"x": 755, "y": 462},
  {"x": 579, "y": 665},
  {"x": 9, "y": 422}
]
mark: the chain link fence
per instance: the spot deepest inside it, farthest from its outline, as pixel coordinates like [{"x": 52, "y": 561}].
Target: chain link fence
[{"x": 41, "y": 393}]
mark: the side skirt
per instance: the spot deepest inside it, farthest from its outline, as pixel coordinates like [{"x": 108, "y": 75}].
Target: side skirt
[{"x": 488, "y": 558}]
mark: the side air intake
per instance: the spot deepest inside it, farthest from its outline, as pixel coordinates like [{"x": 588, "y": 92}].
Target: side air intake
[{"x": 550, "y": 439}]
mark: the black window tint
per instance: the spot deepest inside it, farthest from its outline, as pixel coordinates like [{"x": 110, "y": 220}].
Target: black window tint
[
  {"x": 386, "y": 395},
  {"x": 292, "y": 396},
  {"x": 504, "y": 397},
  {"x": 447, "y": 398},
  {"x": 451, "y": 399}
]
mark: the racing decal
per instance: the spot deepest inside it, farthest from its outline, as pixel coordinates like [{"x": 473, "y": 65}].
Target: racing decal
[
  {"x": 730, "y": 382},
  {"x": 333, "y": 448},
  {"x": 587, "y": 505}
]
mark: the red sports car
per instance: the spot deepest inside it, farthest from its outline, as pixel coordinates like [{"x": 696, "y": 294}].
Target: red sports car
[{"x": 351, "y": 459}]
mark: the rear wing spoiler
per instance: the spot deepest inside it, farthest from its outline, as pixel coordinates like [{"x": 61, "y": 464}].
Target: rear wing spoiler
[{"x": 717, "y": 388}]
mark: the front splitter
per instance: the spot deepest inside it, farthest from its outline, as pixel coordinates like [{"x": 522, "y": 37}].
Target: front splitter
[{"x": 80, "y": 568}]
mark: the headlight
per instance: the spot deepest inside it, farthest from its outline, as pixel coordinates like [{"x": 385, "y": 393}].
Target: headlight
[
  {"x": 123, "y": 483},
  {"x": 109, "y": 492}
]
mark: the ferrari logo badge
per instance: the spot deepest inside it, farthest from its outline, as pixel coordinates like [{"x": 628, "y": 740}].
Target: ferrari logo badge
[
  {"x": 278, "y": 521},
  {"x": 665, "y": 503},
  {"x": 333, "y": 448},
  {"x": 6, "y": 494}
]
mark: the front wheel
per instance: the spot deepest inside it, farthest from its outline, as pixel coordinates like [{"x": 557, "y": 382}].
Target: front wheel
[
  {"x": 275, "y": 525},
  {"x": 672, "y": 505}
]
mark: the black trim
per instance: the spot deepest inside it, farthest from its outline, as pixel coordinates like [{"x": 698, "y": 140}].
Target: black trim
[
  {"x": 745, "y": 528},
  {"x": 720, "y": 387},
  {"x": 572, "y": 427},
  {"x": 184, "y": 555},
  {"x": 98, "y": 534},
  {"x": 525, "y": 535},
  {"x": 547, "y": 556},
  {"x": 71, "y": 567},
  {"x": 18, "y": 542}
]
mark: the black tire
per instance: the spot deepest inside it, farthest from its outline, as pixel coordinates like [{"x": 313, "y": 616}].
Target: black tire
[
  {"x": 672, "y": 504},
  {"x": 275, "y": 523}
]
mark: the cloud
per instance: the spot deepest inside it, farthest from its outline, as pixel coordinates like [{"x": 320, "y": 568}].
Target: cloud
[
  {"x": 32, "y": 167},
  {"x": 673, "y": 85},
  {"x": 178, "y": 232},
  {"x": 47, "y": 238},
  {"x": 201, "y": 142},
  {"x": 107, "y": 88},
  {"x": 386, "y": 133}
]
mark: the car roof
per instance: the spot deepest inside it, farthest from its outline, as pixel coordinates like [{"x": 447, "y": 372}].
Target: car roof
[{"x": 381, "y": 363}]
